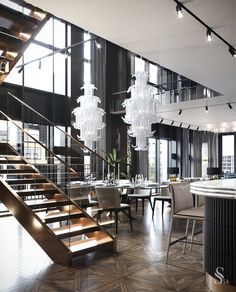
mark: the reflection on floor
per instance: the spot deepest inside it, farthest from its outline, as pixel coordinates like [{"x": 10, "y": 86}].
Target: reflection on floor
[{"x": 137, "y": 266}]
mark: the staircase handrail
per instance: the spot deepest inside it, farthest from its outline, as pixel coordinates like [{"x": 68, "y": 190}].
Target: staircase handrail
[
  {"x": 54, "y": 125},
  {"x": 37, "y": 141}
]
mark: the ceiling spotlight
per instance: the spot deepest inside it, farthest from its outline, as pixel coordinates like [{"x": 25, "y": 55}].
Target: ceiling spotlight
[
  {"x": 179, "y": 9},
  {"x": 180, "y": 111},
  {"x": 232, "y": 51},
  {"x": 21, "y": 69},
  {"x": 98, "y": 45},
  {"x": 206, "y": 107},
  {"x": 161, "y": 121},
  {"x": 229, "y": 105},
  {"x": 209, "y": 35}
]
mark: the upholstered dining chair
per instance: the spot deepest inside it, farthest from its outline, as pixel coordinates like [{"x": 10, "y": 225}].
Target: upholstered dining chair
[
  {"x": 163, "y": 196},
  {"x": 109, "y": 200},
  {"x": 182, "y": 207},
  {"x": 141, "y": 194}
]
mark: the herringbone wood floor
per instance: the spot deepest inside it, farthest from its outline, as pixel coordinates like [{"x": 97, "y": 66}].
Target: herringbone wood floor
[{"x": 138, "y": 264}]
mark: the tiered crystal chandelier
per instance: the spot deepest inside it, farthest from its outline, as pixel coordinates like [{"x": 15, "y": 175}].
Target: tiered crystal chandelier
[
  {"x": 141, "y": 110},
  {"x": 88, "y": 117}
]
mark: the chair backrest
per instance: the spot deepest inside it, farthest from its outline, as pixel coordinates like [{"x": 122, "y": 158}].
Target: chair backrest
[
  {"x": 180, "y": 196},
  {"x": 165, "y": 190},
  {"x": 108, "y": 197},
  {"x": 200, "y": 201},
  {"x": 144, "y": 192}
]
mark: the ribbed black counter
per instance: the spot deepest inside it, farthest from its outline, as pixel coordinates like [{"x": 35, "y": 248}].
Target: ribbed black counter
[
  {"x": 219, "y": 232},
  {"x": 220, "y": 239}
]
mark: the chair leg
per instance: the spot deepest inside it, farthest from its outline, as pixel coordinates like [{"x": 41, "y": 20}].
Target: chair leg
[
  {"x": 99, "y": 216},
  {"x": 169, "y": 239},
  {"x": 116, "y": 221},
  {"x": 136, "y": 204},
  {"x": 186, "y": 234},
  {"x": 150, "y": 201},
  {"x": 153, "y": 208},
  {"x": 192, "y": 235},
  {"x": 143, "y": 207},
  {"x": 130, "y": 218},
  {"x": 162, "y": 207}
]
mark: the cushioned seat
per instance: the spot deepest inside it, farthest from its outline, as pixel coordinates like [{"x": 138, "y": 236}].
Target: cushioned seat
[
  {"x": 141, "y": 194},
  {"x": 183, "y": 208},
  {"x": 109, "y": 200}
]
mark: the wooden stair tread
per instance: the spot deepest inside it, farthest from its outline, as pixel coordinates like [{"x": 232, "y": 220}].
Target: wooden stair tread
[
  {"x": 35, "y": 192},
  {"x": 12, "y": 161},
  {"x": 17, "y": 171},
  {"x": 59, "y": 214},
  {"x": 47, "y": 203},
  {"x": 88, "y": 243},
  {"x": 78, "y": 228},
  {"x": 26, "y": 181}
]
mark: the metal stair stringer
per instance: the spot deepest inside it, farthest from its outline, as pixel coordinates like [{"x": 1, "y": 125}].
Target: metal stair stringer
[{"x": 53, "y": 246}]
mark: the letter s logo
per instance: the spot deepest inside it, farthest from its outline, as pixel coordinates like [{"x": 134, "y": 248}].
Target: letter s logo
[{"x": 219, "y": 275}]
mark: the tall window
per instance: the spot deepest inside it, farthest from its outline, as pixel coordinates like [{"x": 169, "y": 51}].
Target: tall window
[
  {"x": 204, "y": 159},
  {"x": 152, "y": 159},
  {"x": 139, "y": 65},
  {"x": 228, "y": 153},
  {"x": 50, "y": 73},
  {"x": 163, "y": 160}
]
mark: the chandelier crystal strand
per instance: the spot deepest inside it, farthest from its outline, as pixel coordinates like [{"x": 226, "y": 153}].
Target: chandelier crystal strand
[
  {"x": 88, "y": 116},
  {"x": 141, "y": 110}
]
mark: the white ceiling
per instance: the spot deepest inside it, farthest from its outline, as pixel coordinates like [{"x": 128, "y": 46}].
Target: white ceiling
[{"x": 152, "y": 30}]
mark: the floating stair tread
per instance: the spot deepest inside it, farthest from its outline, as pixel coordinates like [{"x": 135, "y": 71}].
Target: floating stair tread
[
  {"x": 62, "y": 214},
  {"x": 47, "y": 203},
  {"x": 17, "y": 171},
  {"x": 12, "y": 161},
  {"x": 33, "y": 192},
  {"x": 88, "y": 243},
  {"x": 26, "y": 181},
  {"x": 78, "y": 228}
]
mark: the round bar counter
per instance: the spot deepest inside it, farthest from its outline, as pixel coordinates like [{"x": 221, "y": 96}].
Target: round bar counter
[{"x": 219, "y": 232}]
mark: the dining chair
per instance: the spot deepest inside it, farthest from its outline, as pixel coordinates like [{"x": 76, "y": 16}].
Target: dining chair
[
  {"x": 182, "y": 207},
  {"x": 141, "y": 194},
  {"x": 163, "y": 196},
  {"x": 109, "y": 200}
]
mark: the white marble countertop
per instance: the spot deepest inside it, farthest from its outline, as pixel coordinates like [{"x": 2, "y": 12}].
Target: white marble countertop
[{"x": 222, "y": 188}]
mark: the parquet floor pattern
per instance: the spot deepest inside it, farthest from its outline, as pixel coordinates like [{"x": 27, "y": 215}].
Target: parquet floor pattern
[{"x": 138, "y": 265}]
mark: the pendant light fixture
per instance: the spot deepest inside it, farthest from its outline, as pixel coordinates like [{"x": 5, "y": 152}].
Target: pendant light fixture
[
  {"x": 141, "y": 110},
  {"x": 88, "y": 116}
]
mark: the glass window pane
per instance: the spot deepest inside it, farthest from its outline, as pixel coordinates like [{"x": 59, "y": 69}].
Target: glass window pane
[
  {"x": 228, "y": 153},
  {"x": 153, "y": 73},
  {"x": 46, "y": 33},
  {"x": 15, "y": 77},
  {"x": 163, "y": 160},
  {"x": 87, "y": 47},
  {"x": 59, "y": 73},
  {"x": 152, "y": 159},
  {"x": 139, "y": 65},
  {"x": 59, "y": 34},
  {"x": 204, "y": 159},
  {"x": 87, "y": 72},
  {"x": 38, "y": 75}
]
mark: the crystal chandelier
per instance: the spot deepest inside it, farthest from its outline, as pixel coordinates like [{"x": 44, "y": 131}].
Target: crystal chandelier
[
  {"x": 88, "y": 117},
  {"x": 141, "y": 110}
]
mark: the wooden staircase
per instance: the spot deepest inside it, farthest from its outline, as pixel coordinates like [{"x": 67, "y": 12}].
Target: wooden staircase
[
  {"x": 19, "y": 24},
  {"x": 58, "y": 224}
]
